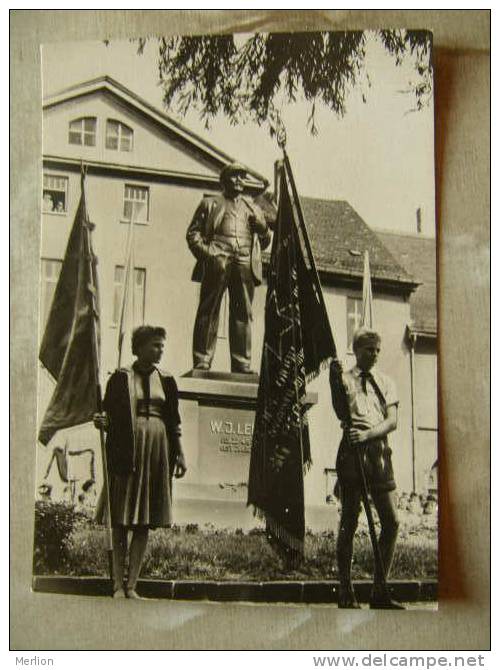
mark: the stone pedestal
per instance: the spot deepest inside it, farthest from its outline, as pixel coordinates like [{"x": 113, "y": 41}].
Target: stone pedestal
[{"x": 218, "y": 412}]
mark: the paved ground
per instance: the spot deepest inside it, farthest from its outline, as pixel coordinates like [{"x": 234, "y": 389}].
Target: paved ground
[
  {"x": 410, "y": 606},
  {"x": 421, "y": 595}
]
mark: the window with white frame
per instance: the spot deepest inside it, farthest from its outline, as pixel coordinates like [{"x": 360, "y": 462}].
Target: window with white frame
[
  {"x": 55, "y": 194},
  {"x": 82, "y": 131},
  {"x": 136, "y": 203},
  {"x": 118, "y": 136},
  {"x": 50, "y": 271},
  {"x": 354, "y": 316},
  {"x": 138, "y": 296}
]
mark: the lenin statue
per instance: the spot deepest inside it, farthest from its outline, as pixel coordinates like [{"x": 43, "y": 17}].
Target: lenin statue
[{"x": 226, "y": 236}]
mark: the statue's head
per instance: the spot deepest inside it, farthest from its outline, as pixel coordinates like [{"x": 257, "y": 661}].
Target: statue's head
[{"x": 231, "y": 178}]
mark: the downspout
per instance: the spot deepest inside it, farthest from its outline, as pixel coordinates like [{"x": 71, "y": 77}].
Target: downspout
[{"x": 412, "y": 337}]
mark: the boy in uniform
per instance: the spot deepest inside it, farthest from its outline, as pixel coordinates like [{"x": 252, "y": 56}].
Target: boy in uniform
[{"x": 373, "y": 405}]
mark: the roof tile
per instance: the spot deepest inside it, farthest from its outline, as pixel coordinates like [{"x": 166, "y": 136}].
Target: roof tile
[
  {"x": 339, "y": 238},
  {"x": 418, "y": 255}
]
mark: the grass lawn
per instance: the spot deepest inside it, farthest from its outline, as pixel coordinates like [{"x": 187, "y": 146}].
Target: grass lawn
[{"x": 214, "y": 554}]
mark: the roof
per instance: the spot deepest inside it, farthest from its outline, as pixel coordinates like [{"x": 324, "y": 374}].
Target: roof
[
  {"x": 418, "y": 255},
  {"x": 113, "y": 87},
  {"x": 339, "y": 238}
]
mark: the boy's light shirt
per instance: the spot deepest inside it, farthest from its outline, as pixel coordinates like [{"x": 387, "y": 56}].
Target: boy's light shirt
[{"x": 366, "y": 410}]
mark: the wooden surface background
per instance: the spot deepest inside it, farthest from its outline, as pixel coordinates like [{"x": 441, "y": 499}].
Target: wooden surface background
[{"x": 462, "y": 58}]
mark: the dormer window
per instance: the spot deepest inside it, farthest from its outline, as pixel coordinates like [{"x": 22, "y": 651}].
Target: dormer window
[
  {"x": 82, "y": 131},
  {"x": 118, "y": 136}
]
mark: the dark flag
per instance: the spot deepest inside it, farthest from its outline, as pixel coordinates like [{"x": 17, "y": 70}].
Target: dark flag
[
  {"x": 70, "y": 343},
  {"x": 297, "y": 343}
]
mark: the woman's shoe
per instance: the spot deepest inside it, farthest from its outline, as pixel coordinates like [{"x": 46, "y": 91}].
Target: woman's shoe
[
  {"x": 119, "y": 593},
  {"x": 133, "y": 595}
]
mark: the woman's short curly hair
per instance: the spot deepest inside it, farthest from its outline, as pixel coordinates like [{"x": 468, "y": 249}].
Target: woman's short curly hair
[{"x": 144, "y": 334}]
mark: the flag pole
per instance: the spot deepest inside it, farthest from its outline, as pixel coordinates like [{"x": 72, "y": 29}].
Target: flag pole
[
  {"x": 359, "y": 461},
  {"x": 367, "y": 321},
  {"x": 317, "y": 286},
  {"x": 292, "y": 559},
  {"x": 305, "y": 236},
  {"x": 127, "y": 281},
  {"x": 92, "y": 288},
  {"x": 367, "y": 304}
]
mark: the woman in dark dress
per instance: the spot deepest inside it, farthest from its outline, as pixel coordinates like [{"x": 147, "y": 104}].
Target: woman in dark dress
[{"x": 144, "y": 451}]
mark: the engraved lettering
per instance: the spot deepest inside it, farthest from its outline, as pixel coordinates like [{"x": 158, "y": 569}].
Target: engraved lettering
[{"x": 216, "y": 426}]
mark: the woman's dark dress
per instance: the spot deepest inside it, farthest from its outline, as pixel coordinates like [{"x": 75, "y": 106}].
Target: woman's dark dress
[{"x": 141, "y": 478}]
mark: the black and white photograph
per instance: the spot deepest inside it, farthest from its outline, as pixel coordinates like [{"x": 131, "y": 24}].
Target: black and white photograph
[{"x": 237, "y": 385}]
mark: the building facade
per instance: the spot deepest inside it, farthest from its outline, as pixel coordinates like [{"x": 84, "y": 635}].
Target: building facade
[
  {"x": 144, "y": 167},
  {"x": 418, "y": 254}
]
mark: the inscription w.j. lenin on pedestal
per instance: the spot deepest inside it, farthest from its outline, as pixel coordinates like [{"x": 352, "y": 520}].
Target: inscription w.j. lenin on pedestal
[
  {"x": 234, "y": 436},
  {"x": 226, "y": 236}
]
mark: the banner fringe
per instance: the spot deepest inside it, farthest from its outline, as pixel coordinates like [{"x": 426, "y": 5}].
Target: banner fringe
[
  {"x": 278, "y": 531},
  {"x": 310, "y": 376}
]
